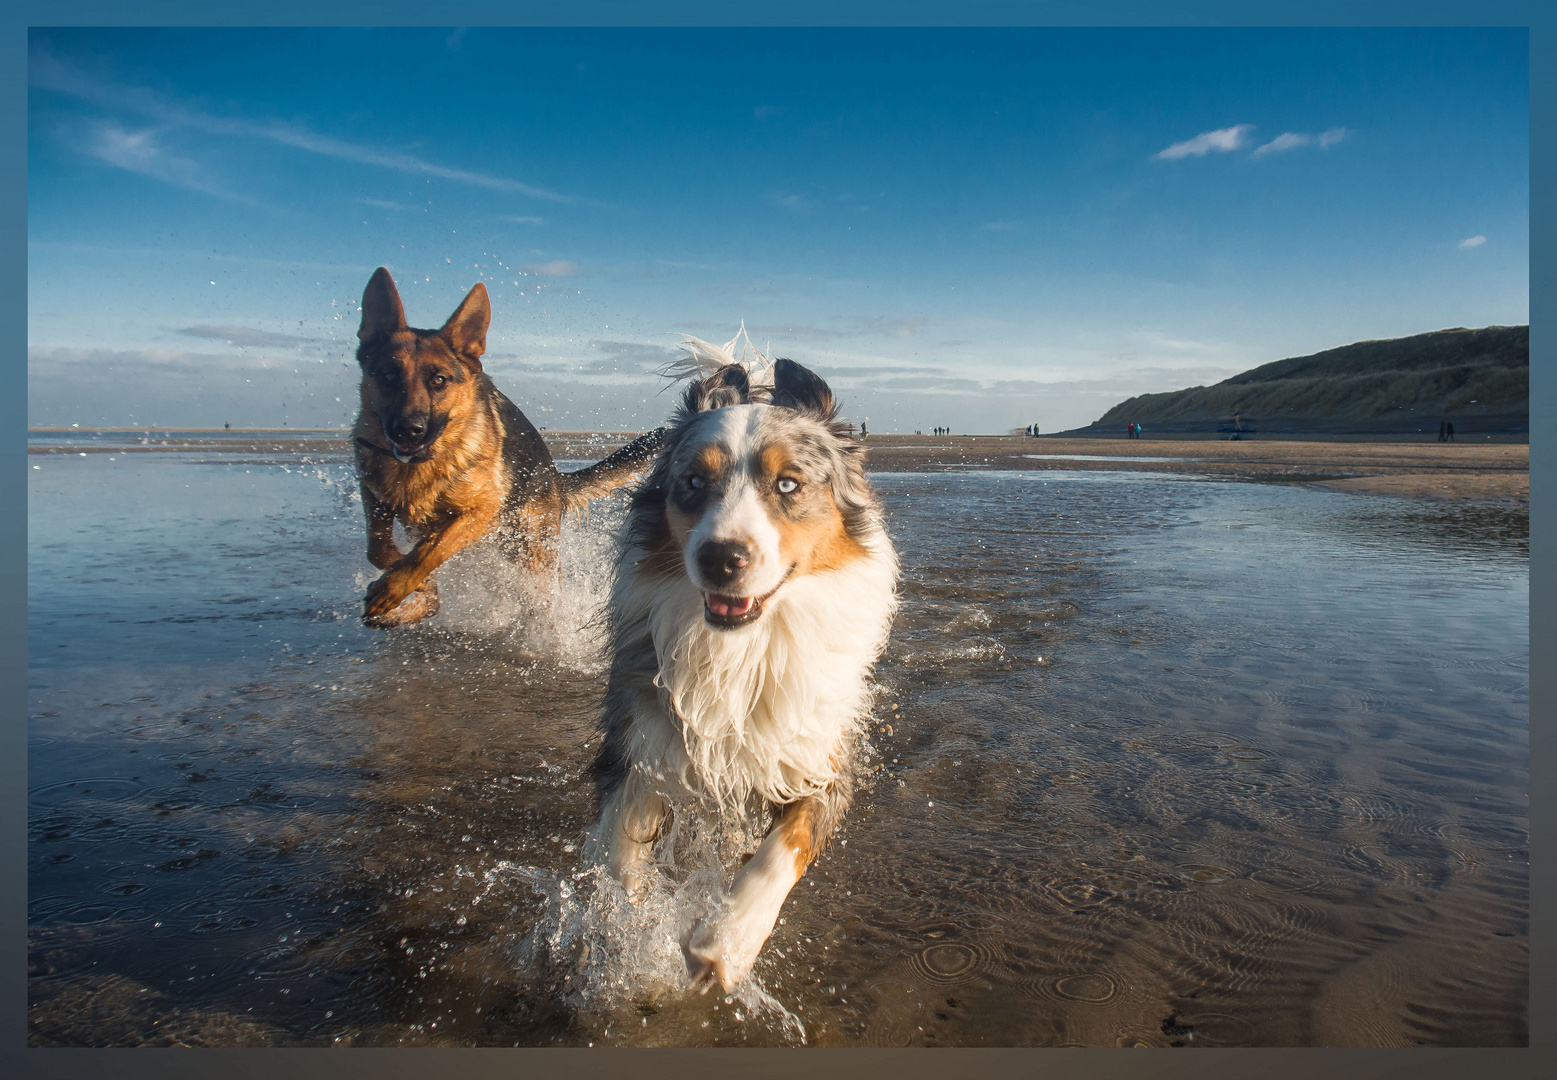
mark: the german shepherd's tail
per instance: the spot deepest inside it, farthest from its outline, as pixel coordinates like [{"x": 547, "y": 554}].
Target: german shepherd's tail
[{"x": 610, "y": 473}]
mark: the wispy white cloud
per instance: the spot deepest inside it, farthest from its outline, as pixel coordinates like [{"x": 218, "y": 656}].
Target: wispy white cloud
[
  {"x": 1473, "y": 241},
  {"x": 1291, "y": 140},
  {"x": 382, "y": 204},
  {"x": 1221, "y": 140},
  {"x": 245, "y": 337},
  {"x": 524, "y": 220},
  {"x": 555, "y": 268},
  {"x": 798, "y": 204},
  {"x": 142, "y": 152},
  {"x": 1285, "y": 141},
  {"x": 46, "y": 72},
  {"x": 853, "y": 326}
]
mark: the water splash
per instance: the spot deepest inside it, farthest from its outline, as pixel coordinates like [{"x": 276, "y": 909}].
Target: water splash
[
  {"x": 555, "y": 615},
  {"x": 605, "y": 953}
]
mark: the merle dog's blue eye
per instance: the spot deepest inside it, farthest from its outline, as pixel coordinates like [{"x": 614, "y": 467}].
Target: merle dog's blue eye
[
  {"x": 695, "y": 482},
  {"x": 786, "y": 485}
]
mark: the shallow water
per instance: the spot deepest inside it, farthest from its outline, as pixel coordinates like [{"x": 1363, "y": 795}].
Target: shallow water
[
  {"x": 1155, "y": 760},
  {"x": 1102, "y": 457}
]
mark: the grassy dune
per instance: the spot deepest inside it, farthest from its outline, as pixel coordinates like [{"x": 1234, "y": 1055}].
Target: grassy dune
[{"x": 1480, "y": 379}]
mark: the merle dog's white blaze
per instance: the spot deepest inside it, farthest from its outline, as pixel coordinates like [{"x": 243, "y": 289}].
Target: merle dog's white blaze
[
  {"x": 736, "y": 512},
  {"x": 710, "y": 714}
]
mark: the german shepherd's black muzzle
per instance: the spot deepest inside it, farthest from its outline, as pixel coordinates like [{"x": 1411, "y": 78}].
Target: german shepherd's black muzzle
[{"x": 411, "y": 436}]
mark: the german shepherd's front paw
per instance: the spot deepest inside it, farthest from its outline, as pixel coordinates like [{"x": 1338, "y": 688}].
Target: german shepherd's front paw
[{"x": 390, "y": 603}]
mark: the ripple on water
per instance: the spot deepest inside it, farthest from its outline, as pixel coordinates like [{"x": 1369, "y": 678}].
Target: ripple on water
[
  {"x": 948, "y": 963},
  {"x": 1217, "y": 1029},
  {"x": 1096, "y": 988},
  {"x": 1204, "y": 873},
  {"x": 68, "y": 791}
]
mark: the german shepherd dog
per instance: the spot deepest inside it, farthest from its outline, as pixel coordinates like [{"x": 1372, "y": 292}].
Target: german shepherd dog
[
  {"x": 754, "y": 592},
  {"x": 441, "y": 449}
]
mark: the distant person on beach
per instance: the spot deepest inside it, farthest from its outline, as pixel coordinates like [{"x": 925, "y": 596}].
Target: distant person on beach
[
  {"x": 1449, "y": 430},
  {"x": 1442, "y": 436},
  {"x": 863, "y": 432},
  {"x": 226, "y": 425}
]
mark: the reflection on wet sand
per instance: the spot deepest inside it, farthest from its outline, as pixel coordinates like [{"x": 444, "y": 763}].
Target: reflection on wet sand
[{"x": 1154, "y": 762}]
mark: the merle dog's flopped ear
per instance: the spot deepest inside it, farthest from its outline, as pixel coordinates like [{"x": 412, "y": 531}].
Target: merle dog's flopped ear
[
  {"x": 730, "y": 385},
  {"x": 466, "y": 329},
  {"x": 801, "y": 389},
  {"x": 382, "y": 312}
]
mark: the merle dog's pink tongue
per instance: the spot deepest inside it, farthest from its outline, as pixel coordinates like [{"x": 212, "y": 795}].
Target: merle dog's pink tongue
[{"x": 727, "y": 606}]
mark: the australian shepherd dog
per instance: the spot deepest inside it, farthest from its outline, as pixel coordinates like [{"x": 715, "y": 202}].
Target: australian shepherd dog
[{"x": 754, "y": 593}]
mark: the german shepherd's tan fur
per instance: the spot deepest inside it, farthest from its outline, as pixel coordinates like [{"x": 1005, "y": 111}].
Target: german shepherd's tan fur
[{"x": 441, "y": 449}]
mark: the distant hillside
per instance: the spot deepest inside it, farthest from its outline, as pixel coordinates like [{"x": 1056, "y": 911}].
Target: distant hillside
[{"x": 1480, "y": 379}]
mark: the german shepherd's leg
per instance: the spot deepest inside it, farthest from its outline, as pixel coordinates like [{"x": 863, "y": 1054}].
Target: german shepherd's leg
[
  {"x": 634, "y": 816},
  {"x": 531, "y": 536},
  {"x": 724, "y": 946},
  {"x": 382, "y": 551},
  {"x": 410, "y": 571}
]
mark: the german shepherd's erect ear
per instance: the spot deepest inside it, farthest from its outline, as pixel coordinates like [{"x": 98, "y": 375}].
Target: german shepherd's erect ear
[
  {"x": 382, "y": 313},
  {"x": 466, "y": 330},
  {"x": 383, "y": 316}
]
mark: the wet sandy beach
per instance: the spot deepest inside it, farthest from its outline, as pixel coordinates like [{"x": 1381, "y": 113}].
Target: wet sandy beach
[
  {"x": 1157, "y": 759},
  {"x": 1483, "y": 471}
]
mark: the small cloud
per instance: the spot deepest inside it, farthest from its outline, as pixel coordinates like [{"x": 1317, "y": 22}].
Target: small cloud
[
  {"x": 142, "y": 152},
  {"x": 798, "y": 204},
  {"x": 555, "y": 268},
  {"x": 1291, "y": 140},
  {"x": 382, "y": 204},
  {"x": 877, "y": 371},
  {"x": 456, "y": 39},
  {"x": 243, "y": 336},
  {"x": 1473, "y": 241},
  {"x": 762, "y": 112},
  {"x": 1221, "y": 140},
  {"x": 648, "y": 358},
  {"x": 854, "y": 326},
  {"x": 524, "y": 220},
  {"x": 1283, "y": 142}
]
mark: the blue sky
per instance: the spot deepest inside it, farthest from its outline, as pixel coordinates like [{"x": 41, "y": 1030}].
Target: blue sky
[{"x": 979, "y": 229}]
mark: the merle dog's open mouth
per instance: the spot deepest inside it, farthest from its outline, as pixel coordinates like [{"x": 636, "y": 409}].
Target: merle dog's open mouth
[{"x": 728, "y": 612}]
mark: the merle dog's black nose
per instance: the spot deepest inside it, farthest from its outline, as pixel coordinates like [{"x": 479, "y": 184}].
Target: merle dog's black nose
[
  {"x": 408, "y": 429},
  {"x": 721, "y": 561}
]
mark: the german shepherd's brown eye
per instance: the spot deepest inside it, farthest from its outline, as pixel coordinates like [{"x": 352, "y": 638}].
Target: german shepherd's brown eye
[
  {"x": 788, "y": 486},
  {"x": 439, "y": 380}
]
